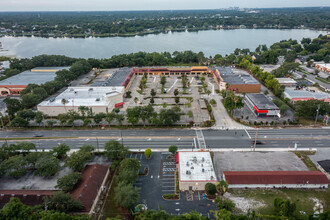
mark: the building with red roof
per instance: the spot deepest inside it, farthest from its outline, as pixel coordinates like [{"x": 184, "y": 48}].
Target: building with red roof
[
  {"x": 27, "y": 197},
  {"x": 89, "y": 188},
  {"x": 276, "y": 179}
]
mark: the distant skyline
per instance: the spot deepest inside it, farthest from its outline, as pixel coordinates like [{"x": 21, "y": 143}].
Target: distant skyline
[{"x": 129, "y": 5}]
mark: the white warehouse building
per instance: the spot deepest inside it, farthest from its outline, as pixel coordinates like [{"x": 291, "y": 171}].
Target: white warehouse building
[{"x": 98, "y": 99}]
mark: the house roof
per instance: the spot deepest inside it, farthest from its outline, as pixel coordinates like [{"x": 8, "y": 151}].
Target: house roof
[
  {"x": 275, "y": 177},
  {"x": 91, "y": 180},
  {"x": 27, "y": 197}
]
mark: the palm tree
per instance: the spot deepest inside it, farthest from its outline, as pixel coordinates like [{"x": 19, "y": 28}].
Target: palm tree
[
  {"x": 222, "y": 187},
  {"x": 64, "y": 101}
]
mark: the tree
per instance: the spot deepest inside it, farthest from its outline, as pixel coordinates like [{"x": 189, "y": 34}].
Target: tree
[
  {"x": 120, "y": 118},
  {"x": 177, "y": 100},
  {"x": 129, "y": 164},
  {"x": 213, "y": 102},
  {"x": 308, "y": 109},
  {"x": 110, "y": 117},
  {"x": 99, "y": 117},
  {"x": 78, "y": 159},
  {"x": 26, "y": 147},
  {"x": 152, "y": 101},
  {"x": 87, "y": 122},
  {"x": 210, "y": 188},
  {"x": 173, "y": 149},
  {"x": 60, "y": 151},
  {"x": 68, "y": 182},
  {"x": 223, "y": 203},
  {"x": 19, "y": 122},
  {"x": 146, "y": 112},
  {"x": 64, "y": 102},
  {"x": 133, "y": 115},
  {"x": 13, "y": 105},
  {"x": 47, "y": 165},
  {"x": 152, "y": 93},
  {"x": 163, "y": 80},
  {"x": 62, "y": 202},
  {"x": 26, "y": 114},
  {"x": 15, "y": 209},
  {"x": 148, "y": 153},
  {"x": 39, "y": 117},
  {"x": 126, "y": 196},
  {"x": 168, "y": 117},
  {"x": 176, "y": 92},
  {"x": 83, "y": 110},
  {"x": 15, "y": 165},
  {"x": 284, "y": 207},
  {"x": 87, "y": 148},
  {"x": 115, "y": 151},
  {"x": 222, "y": 187}
]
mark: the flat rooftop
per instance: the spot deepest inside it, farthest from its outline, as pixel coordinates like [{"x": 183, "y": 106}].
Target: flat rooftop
[
  {"x": 85, "y": 96},
  {"x": 228, "y": 76},
  {"x": 118, "y": 77},
  {"x": 196, "y": 166},
  {"x": 304, "y": 94},
  {"x": 324, "y": 65},
  {"x": 261, "y": 101},
  {"x": 37, "y": 75},
  {"x": 285, "y": 80}
]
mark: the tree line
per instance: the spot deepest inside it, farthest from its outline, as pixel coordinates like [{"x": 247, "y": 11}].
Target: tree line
[{"x": 105, "y": 24}]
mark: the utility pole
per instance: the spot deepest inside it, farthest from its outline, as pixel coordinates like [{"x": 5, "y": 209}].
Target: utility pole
[{"x": 317, "y": 114}]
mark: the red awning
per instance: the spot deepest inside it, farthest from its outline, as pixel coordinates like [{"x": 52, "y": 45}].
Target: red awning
[
  {"x": 119, "y": 104},
  {"x": 260, "y": 111}
]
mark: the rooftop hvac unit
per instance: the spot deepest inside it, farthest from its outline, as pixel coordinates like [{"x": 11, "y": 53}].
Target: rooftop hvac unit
[
  {"x": 188, "y": 172},
  {"x": 192, "y": 168},
  {"x": 90, "y": 89},
  {"x": 187, "y": 164},
  {"x": 52, "y": 99},
  {"x": 71, "y": 90},
  {"x": 98, "y": 99},
  {"x": 203, "y": 159},
  {"x": 203, "y": 170},
  {"x": 212, "y": 177}
]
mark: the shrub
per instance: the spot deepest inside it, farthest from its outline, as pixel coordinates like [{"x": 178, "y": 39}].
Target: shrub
[
  {"x": 148, "y": 153},
  {"x": 171, "y": 196},
  {"x": 210, "y": 188}
]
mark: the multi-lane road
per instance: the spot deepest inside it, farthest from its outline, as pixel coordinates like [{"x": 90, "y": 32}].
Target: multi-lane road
[{"x": 183, "y": 138}]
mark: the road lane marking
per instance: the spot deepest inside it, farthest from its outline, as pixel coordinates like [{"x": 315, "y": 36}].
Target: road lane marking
[{"x": 247, "y": 133}]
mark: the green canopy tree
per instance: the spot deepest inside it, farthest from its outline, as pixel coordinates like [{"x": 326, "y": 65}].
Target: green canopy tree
[
  {"x": 62, "y": 202},
  {"x": 78, "y": 160},
  {"x": 126, "y": 196},
  {"x": 47, "y": 165},
  {"x": 68, "y": 182},
  {"x": 60, "y": 150},
  {"x": 115, "y": 151}
]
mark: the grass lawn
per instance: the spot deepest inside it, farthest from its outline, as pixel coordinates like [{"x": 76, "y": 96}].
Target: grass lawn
[
  {"x": 302, "y": 198},
  {"x": 303, "y": 155}
]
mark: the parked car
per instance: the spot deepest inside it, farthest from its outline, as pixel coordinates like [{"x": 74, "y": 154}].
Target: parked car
[{"x": 258, "y": 142}]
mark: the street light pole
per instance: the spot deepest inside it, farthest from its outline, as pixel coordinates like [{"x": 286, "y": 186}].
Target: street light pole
[
  {"x": 317, "y": 114},
  {"x": 255, "y": 140},
  {"x": 121, "y": 136}
]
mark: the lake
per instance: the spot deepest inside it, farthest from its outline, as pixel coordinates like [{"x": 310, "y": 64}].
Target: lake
[{"x": 210, "y": 42}]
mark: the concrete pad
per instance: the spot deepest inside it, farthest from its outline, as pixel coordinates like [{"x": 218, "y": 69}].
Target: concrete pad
[{"x": 256, "y": 161}]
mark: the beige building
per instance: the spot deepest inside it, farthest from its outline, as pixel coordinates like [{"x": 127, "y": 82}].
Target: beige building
[
  {"x": 98, "y": 99},
  {"x": 195, "y": 170}
]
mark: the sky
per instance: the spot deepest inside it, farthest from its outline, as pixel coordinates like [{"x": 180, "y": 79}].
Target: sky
[{"x": 125, "y": 5}]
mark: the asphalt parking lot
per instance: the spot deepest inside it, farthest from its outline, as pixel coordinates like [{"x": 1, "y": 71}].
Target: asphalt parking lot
[
  {"x": 160, "y": 180},
  {"x": 256, "y": 161}
]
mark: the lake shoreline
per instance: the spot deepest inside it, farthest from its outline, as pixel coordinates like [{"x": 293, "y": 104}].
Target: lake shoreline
[{"x": 156, "y": 32}]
